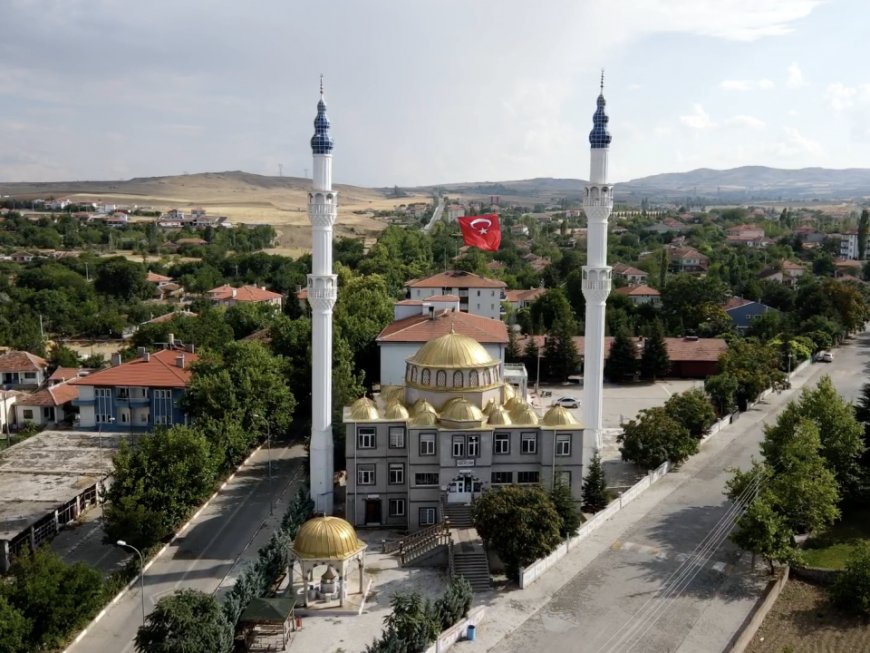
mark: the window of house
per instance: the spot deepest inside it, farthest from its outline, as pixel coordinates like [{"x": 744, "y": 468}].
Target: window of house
[
  {"x": 563, "y": 478},
  {"x": 397, "y": 473},
  {"x": 427, "y": 444},
  {"x": 397, "y": 437},
  {"x": 428, "y": 516},
  {"x": 365, "y": 475},
  {"x": 396, "y": 507},
  {"x": 425, "y": 478},
  {"x": 478, "y": 294},
  {"x": 48, "y": 413},
  {"x": 528, "y": 477},
  {"x": 473, "y": 446},
  {"x": 502, "y": 477},
  {"x": 30, "y": 375},
  {"x": 28, "y": 413},
  {"x": 529, "y": 443},
  {"x": 563, "y": 444},
  {"x": 502, "y": 443},
  {"x": 365, "y": 438},
  {"x": 458, "y": 446}
]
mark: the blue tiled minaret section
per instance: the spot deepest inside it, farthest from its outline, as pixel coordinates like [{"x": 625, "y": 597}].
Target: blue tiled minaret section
[
  {"x": 599, "y": 136},
  {"x": 321, "y": 142}
]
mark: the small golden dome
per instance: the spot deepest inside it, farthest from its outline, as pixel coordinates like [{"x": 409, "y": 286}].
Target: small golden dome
[
  {"x": 363, "y": 409},
  {"x": 523, "y": 414},
  {"x": 395, "y": 410},
  {"x": 392, "y": 393},
  {"x": 453, "y": 351},
  {"x": 559, "y": 416},
  {"x": 447, "y": 404},
  {"x": 513, "y": 402},
  {"x": 509, "y": 392},
  {"x": 422, "y": 406},
  {"x": 489, "y": 406},
  {"x": 425, "y": 418},
  {"x": 499, "y": 416},
  {"x": 461, "y": 410},
  {"x": 326, "y": 538}
]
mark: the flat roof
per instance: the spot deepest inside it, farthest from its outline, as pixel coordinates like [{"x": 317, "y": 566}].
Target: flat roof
[{"x": 48, "y": 470}]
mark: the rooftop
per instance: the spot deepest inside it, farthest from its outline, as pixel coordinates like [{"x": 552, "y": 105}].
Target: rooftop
[
  {"x": 679, "y": 349},
  {"x": 455, "y": 279},
  {"x": 638, "y": 291},
  {"x": 21, "y": 361},
  {"x": 157, "y": 370},
  {"x": 423, "y": 328},
  {"x": 242, "y": 294},
  {"x": 56, "y": 395}
]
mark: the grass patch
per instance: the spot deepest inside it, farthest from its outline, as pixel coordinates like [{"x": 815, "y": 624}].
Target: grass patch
[{"x": 832, "y": 548}]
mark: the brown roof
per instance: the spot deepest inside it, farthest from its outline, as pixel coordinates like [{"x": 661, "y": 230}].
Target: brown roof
[
  {"x": 191, "y": 241},
  {"x": 422, "y": 328},
  {"x": 735, "y": 302},
  {"x": 622, "y": 268},
  {"x": 159, "y": 371},
  {"x": 455, "y": 279},
  {"x": 242, "y": 294},
  {"x": 791, "y": 265},
  {"x": 687, "y": 252},
  {"x": 167, "y": 317},
  {"x": 679, "y": 349},
  {"x": 56, "y": 395},
  {"x": 21, "y": 361},
  {"x": 524, "y": 295},
  {"x": 442, "y": 298},
  {"x": 153, "y": 277},
  {"x": 67, "y": 373},
  {"x": 847, "y": 263},
  {"x": 639, "y": 291}
]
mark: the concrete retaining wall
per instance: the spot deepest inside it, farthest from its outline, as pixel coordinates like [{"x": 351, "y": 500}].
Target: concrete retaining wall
[
  {"x": 457, "y": 631},
  {"x": 816, "y": 575},
  {"x": 744, "y": 636}
]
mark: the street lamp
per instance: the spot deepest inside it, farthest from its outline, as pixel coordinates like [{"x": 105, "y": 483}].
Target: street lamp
[{"x": 123, "y": 544}]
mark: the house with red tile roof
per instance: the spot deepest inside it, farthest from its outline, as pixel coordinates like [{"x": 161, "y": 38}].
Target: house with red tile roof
[
  {"x": 688, "y": 260},
  {"x": 477, "y": 295},
  {"x": 137, "y": 395},
  {"x": 402, "y": 338},
  {"x": 226, "y": 295},
  {"x": 641, "y": 294},
  {"x": 631, "y": 275},
  {"x": 520, "y": 299},
  {"x": 46, "y": 407},
  {"x": 22, "y": 369},
  {"x": 64, "y": 374}
]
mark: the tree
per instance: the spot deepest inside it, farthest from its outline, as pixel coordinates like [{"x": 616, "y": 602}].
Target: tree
[
  {"x": 693, "y": 410},
  {"x": 121, "y": 278},
  {"x": 851, "y": 590},
  {"x": 188, "y": 621},
  {"x": 512, "y": 353},
  {"x": 63, "y": 356},
  {"x": 863, "y": 232},
  {"x": 14, "y": 628},
  {"x": 621, "y": 364},
  {"x": 764, "y": 531},
  {"x": 519, "y": 523},
  {"x": 551, "y": 307},
  {"x": 722, "y": 389},
  {"x": 560, "y": 352},
  {"x": 655, "y": 437},
  {"x": 654, "y": 361},
  {"x": 685, "y": 298},
  {"x": 595, "y": 486},
  {"x": 755, "y": 366},
  {"x": 455, "y": 602},
  {"x": 363, "y": 309},
  {"x": 862, "y": 414},
  {"x": 564, "y": 504}
]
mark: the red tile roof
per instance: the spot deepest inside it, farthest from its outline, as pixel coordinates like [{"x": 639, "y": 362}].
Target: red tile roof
[
  {"x": 159, "y": 371},
  {"x": 67, "y": 373},
  {"x": 626, "y": 270},
  {"x": 166, "y": 317},
  {"x": 638, "y": 291},
  {"x": 679, "y": 349},
  {"x": 529, "y": 295},
  {"x": 153, "y": 277},
  {"x": 442, "y": 298},
  {"x": 422, "y": 328},
  {"x": 21, "y": 361},
  {"x": 56, "y": 395},
  {"x": 243, "y": 294},
  {"x": 455, "y": 279},
  {"x": 735, "y": 302}
]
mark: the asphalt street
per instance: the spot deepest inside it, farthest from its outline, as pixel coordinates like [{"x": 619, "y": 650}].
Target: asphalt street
[
  {"x": 208, "y": 549},
  {"x": 619, "y": 602}
]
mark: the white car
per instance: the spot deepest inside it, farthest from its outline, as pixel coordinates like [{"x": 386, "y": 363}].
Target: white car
[
  {"x": 567, "y": 402},
  {"x": 825, "y": 357}
]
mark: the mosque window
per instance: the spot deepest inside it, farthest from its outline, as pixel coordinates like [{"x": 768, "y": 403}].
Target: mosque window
[
  {"x": 473, "y": 379},
  {"x": 457, "y": 379},
  {"x": 414, "y": 374},
  {"x": 441, "y": 378},
  {"x": 487, "y": 377},
  {"x": 426, "y": 377}
]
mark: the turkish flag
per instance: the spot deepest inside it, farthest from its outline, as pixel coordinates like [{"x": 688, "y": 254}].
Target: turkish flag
[{"x": 481, "y": 231}]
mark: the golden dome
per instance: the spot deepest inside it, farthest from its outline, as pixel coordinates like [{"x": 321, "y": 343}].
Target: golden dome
[
  {"x": 422, "y": 406},
  {"x": 509, "y": 392},
  {"x": 453, "y": 351},
  {"x": 326, "y": 538},
  {"x": 513, "y": 402},
  {"x": 447, "y": 404},
  {"x": 499, "y": 416},
  {"x": 559, "y": 416},
  {"x": 392, "y": 393},
  {"x": 425, "y": 418},
  {"x": 489, "y": 406},
  {"x": 363, "y": 409},
  {"x": 395, "y": 410},
  {"x": 461, "y": 410},
  {"x": 523, "y": 414}
]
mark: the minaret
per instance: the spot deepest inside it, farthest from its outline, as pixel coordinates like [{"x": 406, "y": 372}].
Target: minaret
[
  {"x": 597, "y": 203},
  {"x": 322, "y": 291}
]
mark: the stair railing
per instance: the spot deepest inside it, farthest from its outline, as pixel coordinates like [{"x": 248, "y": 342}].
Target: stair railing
[{"x": 424, "y": 541}]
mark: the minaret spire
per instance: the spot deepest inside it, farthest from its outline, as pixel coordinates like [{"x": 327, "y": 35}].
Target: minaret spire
[
  {"x": 597, "y": 204},
  {"x": 602, "y": 82},
  {"x": 322, "y": 293}
]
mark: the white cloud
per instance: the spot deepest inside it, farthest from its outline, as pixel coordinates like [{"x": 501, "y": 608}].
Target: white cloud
[
  {"x": 749, "y": 122},
  {"x": 746, "y": 84},
  {"x": 795, "y": 77},
  {"x": 842, "y": 97},
  {"x": 796, "y": 144},
  {"x": 700, "y": 119}
]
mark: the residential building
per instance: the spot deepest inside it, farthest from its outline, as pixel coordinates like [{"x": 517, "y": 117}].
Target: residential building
[
  {"x": 849, "y": 245},
  {"x": 226, "y": 295},
  {"x": 21, "y": 369},
  {"x": 642, "y": 294},
  {"x": 631, "y": 275},
  {"x": 451, "y": 430},
  {"x": 743, "y": 311},
  {"x": 688, "y": 260},
  {"x": 64, "y": 374},
  {"x": 477, "y": 295},
  {"x": 419, "y": 322},
  {"x": 48, "y": 406},
  {"x": 847, "y": 266},
  {"x": 454, "y": 212},
  {"x": 137, "y": 395},
  {"x": 520, "y": 299}
]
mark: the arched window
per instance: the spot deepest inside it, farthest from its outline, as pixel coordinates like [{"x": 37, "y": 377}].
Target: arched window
[
  {"x": 414, "y": 374},
  {"x": 457, "y": 379},
  {"x": 487, "y": 377},
  {"x": 408, "y": 373},
  {"x": 426, "y": 377},
  {"x": 473, "y": 379},
  {"x": 441, "y": 378}
]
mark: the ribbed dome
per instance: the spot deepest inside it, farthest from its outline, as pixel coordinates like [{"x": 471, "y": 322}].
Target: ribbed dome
[
  {"x": 489, "y": 406},
  {"x": 392, "y": 393},
  {"x": 425, "y": 418},
  {"x": 509, "y": 392},
  {"x": 461, "y": 410},
  {"x": 559, "y": 416},
  {"x": 524, "y": 415},
  {"x": 422, "y": 406},
  {"x": 395, "y": 410},
  {"x": 499, "y": 417},
  {"x": 363, "y": 409},
  {"x": 326, "y": 538},
  {"x": 452, "y": 351},
  {"x": 513, "y": 402},
  {"x": 447, "y": 404}
]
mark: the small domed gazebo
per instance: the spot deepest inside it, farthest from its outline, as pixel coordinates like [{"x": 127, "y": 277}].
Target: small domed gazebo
[{"x": 329, "y": 541}]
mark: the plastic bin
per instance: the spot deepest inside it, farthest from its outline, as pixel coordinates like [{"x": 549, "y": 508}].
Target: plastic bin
[{"x": 470, "y": 632}]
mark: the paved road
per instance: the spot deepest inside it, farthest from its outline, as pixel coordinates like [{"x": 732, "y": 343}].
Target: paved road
[
  {"x": 208, "y": 549},
  {"x": 436, "y": 215},
  {"x": 602, "y": 608}
]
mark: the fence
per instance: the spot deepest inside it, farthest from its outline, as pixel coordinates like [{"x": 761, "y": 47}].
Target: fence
[
  {"x": 453, "y": 634},
  {"x": 530, "y": 574},
  {"x": 743, "y": 638}
]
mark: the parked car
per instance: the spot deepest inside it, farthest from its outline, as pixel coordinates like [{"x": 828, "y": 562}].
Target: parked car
[
  {"x": 567, "y": 402},
  {"x": 825, "y": 357}
]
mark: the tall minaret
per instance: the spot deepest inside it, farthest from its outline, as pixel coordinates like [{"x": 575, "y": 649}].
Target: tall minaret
[
  {"x": 597, "y": 203},
  {"x": 322, "y": 291}
]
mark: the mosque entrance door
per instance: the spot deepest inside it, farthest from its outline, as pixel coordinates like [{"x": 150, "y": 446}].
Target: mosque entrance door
[{"x": 462, "y": 488}]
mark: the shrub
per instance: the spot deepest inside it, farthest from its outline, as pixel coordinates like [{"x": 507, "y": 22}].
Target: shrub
[{"x": 851, "y": 591}]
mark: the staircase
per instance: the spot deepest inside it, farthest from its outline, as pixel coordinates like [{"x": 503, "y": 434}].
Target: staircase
[
  {"x": 422, "y": 543},
  {"x": 459, "y": 515},
  {"x": 474, "y": 567}
]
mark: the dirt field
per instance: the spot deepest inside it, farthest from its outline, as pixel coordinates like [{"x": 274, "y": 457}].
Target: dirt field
[{"x": 803, "y": 621}]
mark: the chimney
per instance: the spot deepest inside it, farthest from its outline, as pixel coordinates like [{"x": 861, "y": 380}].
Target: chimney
[
  {"x": 431, "y": 311},
  {"x": 171, "y": 338},
  {"x": 142, "y": 351},
  {"x": 191, "y": 348},
  {"x": 116, "y": 360},
  {"x": 179, "y": 361},
  {"x": 234, "y": 293},
  {"x": 147, "y": 357}
]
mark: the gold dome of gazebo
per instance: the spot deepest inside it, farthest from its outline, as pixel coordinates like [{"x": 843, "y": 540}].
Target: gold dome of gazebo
[
  {"x": 422, "y": 406},
  {"x": 326, "y": 538},
  {"x": 452, "y": 351},
  {"x": 559, "y": 416}
]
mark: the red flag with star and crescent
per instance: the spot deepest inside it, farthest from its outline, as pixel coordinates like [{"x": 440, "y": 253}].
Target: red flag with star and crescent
[{"x": 481, "y": 231}]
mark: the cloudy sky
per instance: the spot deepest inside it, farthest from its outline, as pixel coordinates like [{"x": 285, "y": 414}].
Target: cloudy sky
[{"x": 427, "y": 91}]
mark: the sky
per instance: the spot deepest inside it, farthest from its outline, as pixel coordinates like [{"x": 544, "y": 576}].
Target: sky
[{"x": 429, "y": 91}]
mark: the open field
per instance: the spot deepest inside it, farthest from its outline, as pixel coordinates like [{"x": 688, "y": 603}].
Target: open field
[{"x": 803, "y": 621}]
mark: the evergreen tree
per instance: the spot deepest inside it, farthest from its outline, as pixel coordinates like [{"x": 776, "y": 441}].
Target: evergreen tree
[
  {"x": 863, "y": 232},
  {"x": 654, "y": 361},
  {"x": 560, "y": 353},
  {"x": 512, "y": 353},
  {"x": 567, "y": 509},
  {"x": 621, "y": 365},
  {"x": 530, "y": 356},
  {"x": 595, "y": 486}
]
